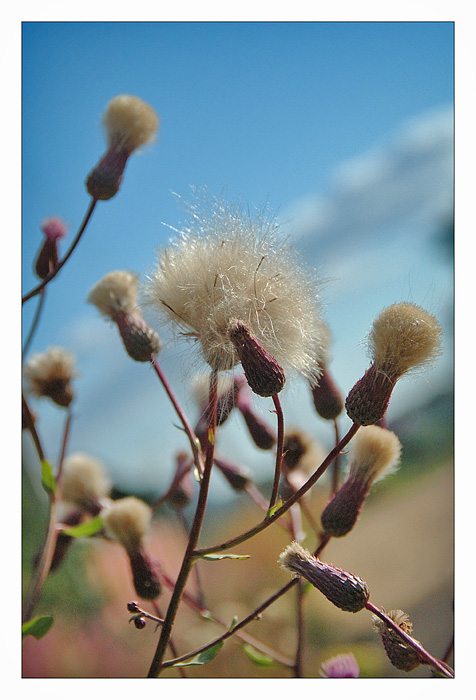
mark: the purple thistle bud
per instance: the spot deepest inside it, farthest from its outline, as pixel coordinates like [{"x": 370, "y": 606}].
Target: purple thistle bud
[
  {"x": 236, "y": 476},
  {"x": 265, "y": 377},
  {"x": 140, "y": 340},
  {"x": 340, "y": 666},
  {"x": 327, "y": 398},
  {"x": 402, "y": 656},
  {"x": 345, "y": 590},
  {"x": 262, "y": 435},
  {"x": 145, "y": 574}
]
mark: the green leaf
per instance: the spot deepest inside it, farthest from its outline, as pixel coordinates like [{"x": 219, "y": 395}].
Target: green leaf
[
  {"x": 218, "y": 557},
  {"x": 47, "y": 478},
  {"x": 273, "y": 510},
  {"x": 203, "y": 658},
  {"x": 257, "y": 657},
  {"x": 234, "y": 623},
  {"x": 85, "y": 529},
  {"x": 37, "y": 627}
]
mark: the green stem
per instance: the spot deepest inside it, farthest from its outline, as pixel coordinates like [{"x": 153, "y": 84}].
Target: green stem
[
  {"x": 42, "y": 570},
  {"x": 157, "y": 662}
]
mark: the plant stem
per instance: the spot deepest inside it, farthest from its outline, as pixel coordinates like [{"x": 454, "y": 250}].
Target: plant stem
[
  {"x": 172, "y": 646},
  {"x": 157, "y": 662},
  {"x": 298, "y": 662},
  {"x": 287, "y": 504},
  {"x": 34, "y": 325},
  {"x": 336, "y": 465},
  {"x": 194, "y": 441},
  {"x": 441, "y": 667},
  {"x": 279, "y": 452},
  {"x": 42, "y": 570},
  {"x": 30, "y": 426},
  {"x": 62, "y": 262}
]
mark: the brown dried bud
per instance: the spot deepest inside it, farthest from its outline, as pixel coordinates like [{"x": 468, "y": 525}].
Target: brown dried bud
[
  {"x": 345, "y": 590},
  {"x": 401, "y": 655},
  {"x": 264, "y": 376},
  {"x": 327, "y": 398},
  {"x": 181, "y": 490},
  {"x": 50, "y": 374}
]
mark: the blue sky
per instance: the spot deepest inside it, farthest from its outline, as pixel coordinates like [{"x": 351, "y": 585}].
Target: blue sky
[{"x": 343, "y": 129}]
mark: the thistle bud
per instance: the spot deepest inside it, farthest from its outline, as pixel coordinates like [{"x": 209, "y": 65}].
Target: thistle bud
[
  {"x": 50, "y": 374},
  {"x": 115, "y": 297},
  {"x": 237, "y": 476},
  {"x": 345, "y": 590},
  {"x": 129, "y": 123},
  {"x": 327, "y": 398},
  {"x": 401, "y": 655},
  {"x": 264, "y": 376},
  {"x": 341, "y": 666},
  {"x": 374, "y": 453},
  {"x": 403, "y": 336},
  {"x": 262, "y": 435},
  {"x": 180, "y": 491},
  {"x": 47, "y": 259},
  {"x": 84, "y": 483},
  {"x": 226, "y": 390},
  {"x": 127, "y": 521}
]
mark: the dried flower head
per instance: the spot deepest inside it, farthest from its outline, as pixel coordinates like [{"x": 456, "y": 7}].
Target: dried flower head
[
  {"x": 50, "y": 374},
  {"x": 404, "y": 336},
  {"x": 374, "y": 453},
  {"x": 401, "y": 655},
  {"x": 345, "y": 590},
  {"x": 115, "y": 297},
  {"x": 127, "y": 521},
  {"x": 129, "y": 123},
  {"x": 84, "y": 482},
  {"x": 228, "y": 276},
  {"x": 340, "y": 666}
]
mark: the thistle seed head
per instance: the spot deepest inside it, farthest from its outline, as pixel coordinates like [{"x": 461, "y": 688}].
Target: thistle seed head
[
  {"x": 374, "y": 453},
  {"x": 50, "y": 374},
  {"x": 127, "y": 521},
  {"x": 84, "y": 482},
  {"x": 404, "y": 336},
  {"x": 130, "y": 122},
  {"x": 227, "y": 266},
  {"x": 345, "y": 590}
]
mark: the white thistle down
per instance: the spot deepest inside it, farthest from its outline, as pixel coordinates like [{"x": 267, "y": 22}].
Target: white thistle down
[{"x": 228, "y": 266}]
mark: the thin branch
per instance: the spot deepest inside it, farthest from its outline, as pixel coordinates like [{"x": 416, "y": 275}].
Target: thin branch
[
  {"x": 36, "y": 290},
  {"x": 279, "y": 452},
  {"x": 34, "y": 325}
]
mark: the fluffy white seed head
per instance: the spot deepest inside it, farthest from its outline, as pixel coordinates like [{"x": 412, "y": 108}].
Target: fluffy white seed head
[
  {"x": 115, "y": 293},
  {"x": 404, "y": 336},
  {"x": 130, "y": 122},
  {"x": 127, "y": 521},
  {"x": 50, "y": 374},
  {"x": 84, "y": 481},
  {"x": 228, "y": 266},
  {"x": 374, "y": 453}
]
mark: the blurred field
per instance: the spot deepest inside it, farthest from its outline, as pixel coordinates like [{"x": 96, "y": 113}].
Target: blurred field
[{"x": 402, "y": 547}]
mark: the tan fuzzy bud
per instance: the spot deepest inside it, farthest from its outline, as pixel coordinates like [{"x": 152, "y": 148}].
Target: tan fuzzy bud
[
  {"x": 129, "y": 123},
  {"x": 115, "y": 293},
  {"x": 374, "y": 453},
  {"x": 401, "y": 655},
  {"x": 263, "y": 374},
  {"x": 345, "y": 590},
  {"x": 84, "y": 482},
  {"x": 127, "y": 521},
  {"x": 50, "y": 374},
  {"x": 404, "y": 336},
  {"x": 115, "y": 297}
]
